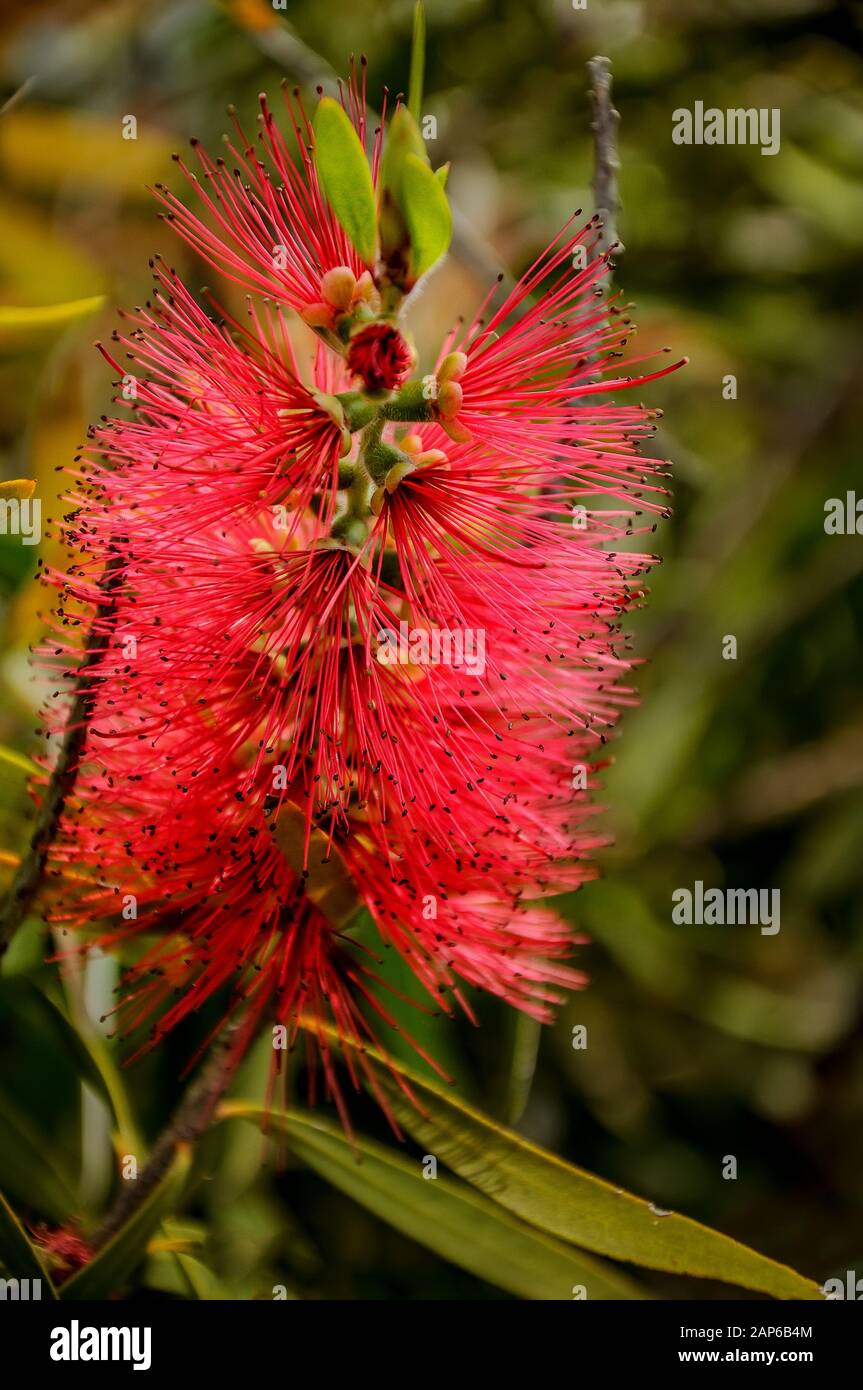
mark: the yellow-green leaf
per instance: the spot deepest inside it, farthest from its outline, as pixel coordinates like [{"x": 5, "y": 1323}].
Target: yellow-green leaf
[
  {"x": 21, "y": 325},
  {"x": 402, "y": 138},
  {"x": 44, "y": 146},
  {"x": 327, "y": 881},
  {"x": 11, "y": 755},
  {"x": 21, "y": 488},
  {"x": 418, "y": 60},
  {"x": 443, "y": 1214},
  {"x": 568, "y": 1202},
  {"x": 203, "y": 1283},
  {"x": 426, "y": 211},
  {"x": 345, "y": 176}
]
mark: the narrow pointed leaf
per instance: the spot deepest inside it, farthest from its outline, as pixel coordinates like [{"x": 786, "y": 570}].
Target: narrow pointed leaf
[
  {"x": 427, "y": 215},
  {"x": 403, "y": 138},
  {"x": 576, "y": 1206},
  {"x": 526, "y": 1033},
  {"x": 27, "y": 1169},
  {"x": 13, "y": 758},
  {"x": 18, "y": 488},
  {"x": 345, "y": 177},
  {"x": 442, "y": 1214},
  {"x": 418, "y": 61},
  {"x": 203, "y": 1283},
  {"x": 21, "y": 325},
  {"x": 568, "y": 1202}
]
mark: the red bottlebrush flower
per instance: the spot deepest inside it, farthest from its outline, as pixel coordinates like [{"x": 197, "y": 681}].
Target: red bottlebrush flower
[
  {"x": 363, "y": 649},
  {"x": 380, "y": 357},
  {"x": 64, "y": 1251},
  {"x": 270, "y": 229},
  {"x": 215, "y": 424}
]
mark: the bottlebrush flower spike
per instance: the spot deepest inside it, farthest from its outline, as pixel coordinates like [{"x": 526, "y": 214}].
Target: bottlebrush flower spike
[
  {"x": 364, "y": 629},
  {"x": 271, "y": 229},
  {"x": 216, "y": 424}
]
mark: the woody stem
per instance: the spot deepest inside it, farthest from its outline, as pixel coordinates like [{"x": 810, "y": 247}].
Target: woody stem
[
  {"x": 605, "y": 161},
  {"x": 190, "y": 1119},
  {"x": 28, "y": 878}
]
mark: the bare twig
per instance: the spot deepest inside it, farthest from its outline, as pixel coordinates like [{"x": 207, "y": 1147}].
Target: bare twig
[
  {"x": 605, "y": 161},
  {"x": 188, "y": 1123},
  {"x": 61, "y": 783}
]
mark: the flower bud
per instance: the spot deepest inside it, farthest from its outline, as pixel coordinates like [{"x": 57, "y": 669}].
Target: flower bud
[
  {"x": 338, "y": 287},
  {"x": 396, "y": 473},
  {"x": 456, "y": 431},
  {"x": 449, "y": 400},
  {"x": 366, "y": 291},
  {"x": 452, "y": 367},
  {"x": 380, "y": 356},
  {"x": 317, "y": 315}
]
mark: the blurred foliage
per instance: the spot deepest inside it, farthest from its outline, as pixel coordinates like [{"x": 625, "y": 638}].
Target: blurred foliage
[{"x": 703, "y": 1041}]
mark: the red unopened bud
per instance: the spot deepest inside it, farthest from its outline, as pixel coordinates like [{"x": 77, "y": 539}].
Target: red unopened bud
[{"x": 380, "y": 356}]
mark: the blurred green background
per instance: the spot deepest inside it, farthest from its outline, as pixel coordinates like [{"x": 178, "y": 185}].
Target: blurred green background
[{"x": 703, "y": 1042}]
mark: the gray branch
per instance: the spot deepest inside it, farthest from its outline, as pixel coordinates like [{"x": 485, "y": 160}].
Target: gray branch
[{"x": 606, "y": 164}]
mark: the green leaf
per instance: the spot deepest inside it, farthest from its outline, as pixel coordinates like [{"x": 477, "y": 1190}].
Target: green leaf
[
  {"x": 18, "y": 488},
  {"x": 403, "y": 138},
  {"x": 27, "y": 1168},
  {"x": 568, "y": 1202},
  {"x": 23, "y": 325},
  {"x": 526, "y": 1033},
  {"x": 111, "y": 1266},
  {"x": 112, "y": 1087},
  {"x": 427, "y": 215},
  {"x": 17, "y": 1255},
  {"x": 27, "y": 949},
  {"x": 202, "y": 1282},
  {"x": 75, "y": 1048},
  {"x": 418, "y": 62},
  {"x": 345, "y": 177},
  {"x": 18, "y": 760},
  {"x": 442, "y": 1214}
]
